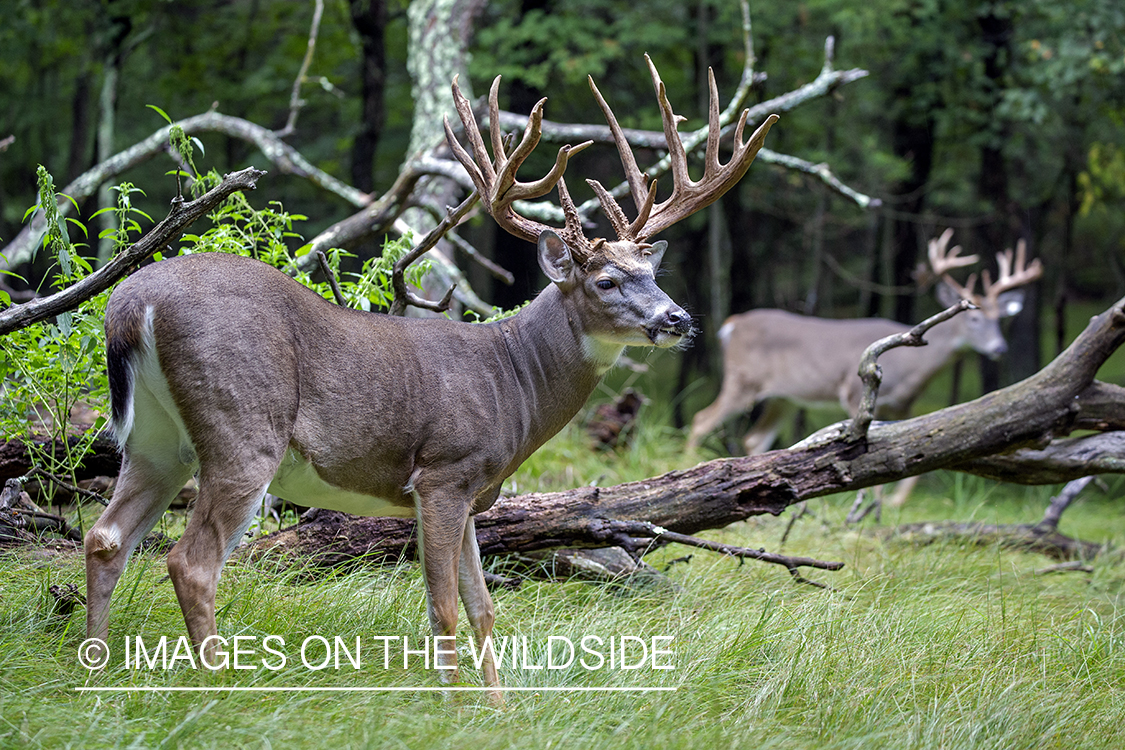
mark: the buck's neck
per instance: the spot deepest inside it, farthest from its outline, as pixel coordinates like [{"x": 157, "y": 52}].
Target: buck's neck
[{"x": 557, "y": 366}]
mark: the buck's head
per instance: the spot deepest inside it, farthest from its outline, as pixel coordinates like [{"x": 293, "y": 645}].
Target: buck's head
[
  {"x": 997, "y": 301},
  {"x": 610, "y": 285},
  {"x": 613, "y": 291}
]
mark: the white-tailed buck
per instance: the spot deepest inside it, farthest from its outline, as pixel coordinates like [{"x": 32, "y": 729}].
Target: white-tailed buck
[
  {"x": 224, "y": 366},
  {"x": 774, "y": 356}
]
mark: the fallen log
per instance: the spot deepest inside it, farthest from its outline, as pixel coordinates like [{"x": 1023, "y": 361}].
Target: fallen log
[
  {"x": 1026, "y": 416},
  {"x": 103, "y": 458},
  {"x": 1042, "y": 537}
]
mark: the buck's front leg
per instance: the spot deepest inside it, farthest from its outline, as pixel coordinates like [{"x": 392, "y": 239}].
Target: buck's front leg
[{"x": 441, "y": 529}]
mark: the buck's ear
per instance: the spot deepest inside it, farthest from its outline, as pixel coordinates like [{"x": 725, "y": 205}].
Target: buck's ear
[
  {"x": 554, "y": 257},
  {"x": 656, "y": 254},
  {"x": 1010, "y": 303},
  {"x": 947, "y": 295}
]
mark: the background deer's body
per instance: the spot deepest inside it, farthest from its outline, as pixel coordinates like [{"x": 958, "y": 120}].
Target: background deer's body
[
  {"x": 774, "y": 355},
  {"x": 771, "y": 355}
]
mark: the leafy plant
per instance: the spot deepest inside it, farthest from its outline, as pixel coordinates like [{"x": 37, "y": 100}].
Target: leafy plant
[{"x": 48, "y": 368}]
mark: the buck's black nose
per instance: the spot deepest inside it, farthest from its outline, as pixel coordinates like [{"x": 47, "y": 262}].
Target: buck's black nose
[{"x": 678, "y": 320}]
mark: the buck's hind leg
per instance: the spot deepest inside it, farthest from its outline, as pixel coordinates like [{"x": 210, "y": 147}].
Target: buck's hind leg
[
  {"x": 228, "y": 499},
  {"x": 478, "y": 604},
  {"x": 146, "y": 486}
]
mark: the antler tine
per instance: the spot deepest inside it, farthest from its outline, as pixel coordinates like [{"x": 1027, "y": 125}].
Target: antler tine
[
  {"x": 483, "y": 175},
  {"x": 642, "y": 194},
  {"x": 689, "y": 196},
  {"x": 572, "y": 231},
  {"x": 496, "y": 179},
  {"x": 944, "y": 260},
  {"x": 1013, "y": 273}
]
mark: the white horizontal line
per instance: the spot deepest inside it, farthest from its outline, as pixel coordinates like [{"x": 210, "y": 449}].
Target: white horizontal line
[{"x": 251, "y": 689}]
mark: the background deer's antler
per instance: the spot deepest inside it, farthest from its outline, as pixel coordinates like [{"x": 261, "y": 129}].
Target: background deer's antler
[{"x": 1013, "y": 273}]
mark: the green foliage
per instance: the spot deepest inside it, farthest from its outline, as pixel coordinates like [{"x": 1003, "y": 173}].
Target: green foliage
[
  {"x": 48, "y": 368},
  {"x": 1103, "y": 182},
  {"x": 574, "y": 40},
  {"x": 267, "y": 234}
]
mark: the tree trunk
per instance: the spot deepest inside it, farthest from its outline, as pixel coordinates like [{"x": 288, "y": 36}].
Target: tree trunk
[{"x": 370, "y": 20}]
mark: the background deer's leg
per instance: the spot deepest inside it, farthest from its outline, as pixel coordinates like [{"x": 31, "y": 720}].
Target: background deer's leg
[
  {"x": 478, "y": 602},
  {"x": 228, "y": 499},
  {"x": 733, "y": 399},
  {"x": 144, "y": 490},
  {"x": 764, "y": 431},
  {"x": 442, "y": 523},
  {"x": 902, "y": 491}
]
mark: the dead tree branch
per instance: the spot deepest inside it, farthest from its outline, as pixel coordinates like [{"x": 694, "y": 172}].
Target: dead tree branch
[
  {"x": 295, "y": 100},
  {"x": 403, "y": 296},
  {"x": 179, "y": 218},
  {"x": 286, "y": 158},
  {"x": 326, "y": 269},
  {"x": 1042, "y": 537},
  {"x": 102, "y": 459},
  {"x": 871, "y": 374},
  {"x": 1061, "y": 502},
  {"x": 22, "y": 522}
]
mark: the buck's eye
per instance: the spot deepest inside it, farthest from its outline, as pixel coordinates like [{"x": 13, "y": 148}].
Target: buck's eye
[{"x": 605, "y": 284}]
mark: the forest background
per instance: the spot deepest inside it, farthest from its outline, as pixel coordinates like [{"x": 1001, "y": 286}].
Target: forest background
[{"x": 1002, "y": 120}]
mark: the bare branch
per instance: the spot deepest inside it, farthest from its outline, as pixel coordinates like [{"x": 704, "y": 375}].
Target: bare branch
[
  {"x": 38, "y": 471},
  {"x": 322, "y": 259},
  {"x": 643, "y": 529},
  {"x": 295, "y": 101},
  {"x": 1061, "y": 502},
  {"x": 448, "y": 272},
  {"x": 498, "y": 271},
  {"x": 821, "y": 171},
  {"x": 872, "y": 375},
  {"x": 287, "y": 159},
  {"x": 179, "y": 218},
  {"x": 403, "y": 296}
]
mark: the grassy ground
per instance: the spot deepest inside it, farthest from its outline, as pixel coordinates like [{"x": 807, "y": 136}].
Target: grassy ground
[{"x": 948, "y": 645}]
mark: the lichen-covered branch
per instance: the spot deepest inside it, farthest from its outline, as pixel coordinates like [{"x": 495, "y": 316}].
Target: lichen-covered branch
[{"x": 286, "y": 158}]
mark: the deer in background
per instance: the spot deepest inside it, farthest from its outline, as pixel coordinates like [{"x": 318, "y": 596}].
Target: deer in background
[
  {"x": 774, "y": 356},
  {"x": 225, "y": 366}
]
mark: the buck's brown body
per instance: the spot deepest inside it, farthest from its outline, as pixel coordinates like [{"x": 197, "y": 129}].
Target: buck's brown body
[{"x": 461, "y": 374}]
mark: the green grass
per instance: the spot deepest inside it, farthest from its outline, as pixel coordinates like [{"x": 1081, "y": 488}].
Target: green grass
[{"x": 943, "y": 646}]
